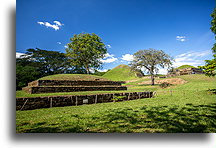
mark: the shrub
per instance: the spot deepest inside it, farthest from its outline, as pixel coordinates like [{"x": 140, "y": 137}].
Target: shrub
[{"x": 164, "y": 85}]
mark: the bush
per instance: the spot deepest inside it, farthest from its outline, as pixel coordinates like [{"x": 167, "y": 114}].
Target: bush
[{"x": 164, "y": 85}]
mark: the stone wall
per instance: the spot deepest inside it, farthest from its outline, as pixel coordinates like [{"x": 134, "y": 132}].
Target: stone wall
[
  {"x": 60, "y": 101},
  {"x": 49, "y": 89},
  {"x": 72, "y": 83}
]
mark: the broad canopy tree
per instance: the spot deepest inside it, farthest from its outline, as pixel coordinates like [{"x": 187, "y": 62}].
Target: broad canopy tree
[
  {"x": 86, "y": 50},
  {"x": 48, "y": 62},
  {"x": 151, "y": 60},
  {"x": 36, "y": 63}
]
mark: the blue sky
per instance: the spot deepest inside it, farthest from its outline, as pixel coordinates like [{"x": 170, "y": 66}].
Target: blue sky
[{"x": 181, "y": 28}]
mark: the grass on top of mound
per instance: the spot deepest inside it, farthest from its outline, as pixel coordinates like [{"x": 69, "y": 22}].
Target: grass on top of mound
[
  {"x": 81, "y": 77},
  {"x": 120, "y": 73},
  {"x": 185, "y": 66}
]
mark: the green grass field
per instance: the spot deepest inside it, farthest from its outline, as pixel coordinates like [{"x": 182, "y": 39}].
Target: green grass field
[{"x": 190, "y": 108}]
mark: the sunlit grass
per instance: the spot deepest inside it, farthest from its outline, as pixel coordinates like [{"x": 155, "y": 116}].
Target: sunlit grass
[{"x": 189, "y": 107}]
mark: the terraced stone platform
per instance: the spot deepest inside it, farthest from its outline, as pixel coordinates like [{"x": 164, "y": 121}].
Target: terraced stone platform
[
  {"x": 52, "y": 86},
  {"x": 73, "y": 83}
]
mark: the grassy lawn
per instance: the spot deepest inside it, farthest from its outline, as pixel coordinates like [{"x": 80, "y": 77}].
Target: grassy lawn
[{"x": 189, "y": 108}]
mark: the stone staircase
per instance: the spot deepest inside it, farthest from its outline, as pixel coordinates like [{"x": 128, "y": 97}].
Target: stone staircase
[{"x": 52, "y": 86}]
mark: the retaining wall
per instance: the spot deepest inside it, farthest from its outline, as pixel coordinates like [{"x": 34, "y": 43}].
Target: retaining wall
[
  {"x": 60, "y": 101},
  {"x": 54, "y": 89},
  {"x": 72, "y": 83}
]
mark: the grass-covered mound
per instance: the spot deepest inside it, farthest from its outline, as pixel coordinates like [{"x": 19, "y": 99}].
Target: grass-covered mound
[
  {"x": 188, "y": 108},
  {"x": 76, "y": 77},
  {"x": 185, "y": 66},
  {"x": 121, "y": 73}
]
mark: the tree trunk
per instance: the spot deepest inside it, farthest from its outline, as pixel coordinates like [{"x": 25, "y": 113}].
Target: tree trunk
[
  {"x": 87, "y": 69},
  {"x": 152, "y": 79}
]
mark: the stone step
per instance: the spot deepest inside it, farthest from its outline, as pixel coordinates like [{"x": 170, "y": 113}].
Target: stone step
[
  {"x": 73, "y": 83},
  {"x": 53, "y": 89}
]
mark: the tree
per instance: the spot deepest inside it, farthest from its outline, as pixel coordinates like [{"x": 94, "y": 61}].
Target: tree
[
  {"x": 210, "y": 65},
  {"x": 151, "y": 60},
  {"x": 213, "y": 28},
  {"x": 86, "y": 50},
  {"x": 25, "y": 74},
  {"x": 37, "y": 63},
  {"x": 48, "y": 62}
]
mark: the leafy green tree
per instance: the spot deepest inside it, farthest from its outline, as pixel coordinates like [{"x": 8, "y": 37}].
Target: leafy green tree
[
  {"x": 37, "y": 63},
  {"x": 210, "y": 65},
  {"x": 213, "y": 28},
  {"x": 25, "y": 74},
  {"x": 151, "y": 60},
  {"x": 86, "y": 50},
  {"x": 48, "y": 62}
]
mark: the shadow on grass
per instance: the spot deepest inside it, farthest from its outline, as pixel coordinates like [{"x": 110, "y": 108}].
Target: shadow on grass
[{"x": 188, "y": 119}]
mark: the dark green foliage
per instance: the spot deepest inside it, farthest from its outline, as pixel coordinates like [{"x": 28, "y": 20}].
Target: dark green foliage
[
  {"x": 213, "y": 22},
  {"x": 49, "y": 62},
  {"x": 164, "y": 85},
  {"x": 210, "y": 66},
  {"x": 25, "y": 74},
  {"x": 213, "y": 28},
  {"x": 37, "y": 63},
  {"x": 86, "y": 50}
]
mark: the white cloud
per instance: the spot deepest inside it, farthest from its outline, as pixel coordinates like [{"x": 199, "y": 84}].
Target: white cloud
[
  {"x": 65, "y": 46},
  {"x": 55, "y": 26},
  {"x": 162, "y": 71},
  {"x": 41, "y": 23},
  {"x": 109, "y": 46},
  {"x": 181, "y": 38},
  {"x": 107, "y": 55},
  {"x": 190, "y": 58},
  {"x": 59, "y": 43},
  {"x": 58, "y": 23},
  {"x": 127, "y": 57},
  {"x": 109, "y": 58},
  {"x": 104, "y": 70},
  {"x": 18, "y": 54}
]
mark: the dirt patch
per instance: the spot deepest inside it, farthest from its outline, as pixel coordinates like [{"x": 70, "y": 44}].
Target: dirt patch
[
  {"x": 171, "y": 81},
  {"x": 131, "y": 81}
]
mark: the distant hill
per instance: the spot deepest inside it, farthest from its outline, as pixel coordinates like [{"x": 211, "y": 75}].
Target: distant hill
[
  {"x": 185, "y": 66},
  {"x": 122, "y": 73}
]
